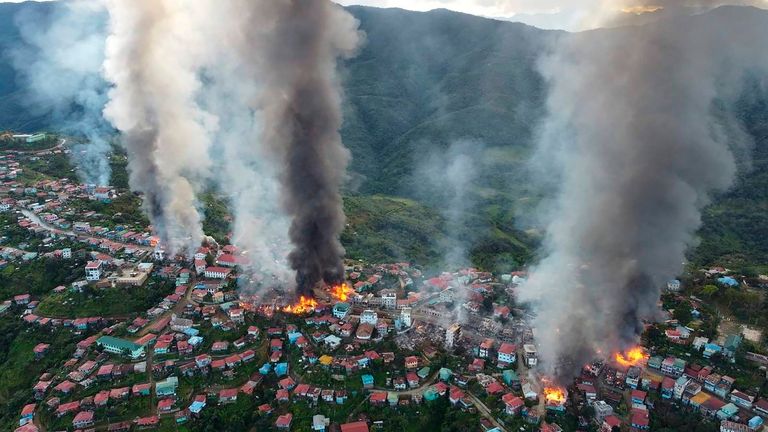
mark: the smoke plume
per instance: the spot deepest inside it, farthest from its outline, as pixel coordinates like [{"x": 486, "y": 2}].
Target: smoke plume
[
  {"x": 294, "y": 51},
  {"x": 638, "y": 140},
  {"x": 244, "y": 171},
  {"x": 444, "y": 178},
  {"x": 58, "y": 64},
  {"x": 153, "y": 57}
]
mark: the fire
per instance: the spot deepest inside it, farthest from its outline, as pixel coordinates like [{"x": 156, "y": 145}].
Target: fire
[
  {"x": 554, "y": 395},
  {"x": 304, "y": 305},
  {"x": 641, "y": 9},
  {"x": 341, "y": 291},
  {"x": 632, "y": 357}
]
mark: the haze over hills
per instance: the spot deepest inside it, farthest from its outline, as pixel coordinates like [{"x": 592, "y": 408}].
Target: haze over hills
[{"x": 427, "y": 83}]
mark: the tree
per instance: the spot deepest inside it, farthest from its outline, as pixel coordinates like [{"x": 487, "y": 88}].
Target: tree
[
  {"x": 709, "y": 290},
  {"x": 683, "y": 313}
]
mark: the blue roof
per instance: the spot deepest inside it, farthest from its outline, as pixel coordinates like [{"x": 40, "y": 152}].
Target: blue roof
[
  {"x": 727, "y": 280},
  {"x": 367, "y": 379},
  {"x": 265, "y": 369},
  {"x": 281, "y": 369},
  {"x": 196, "y": 407}
]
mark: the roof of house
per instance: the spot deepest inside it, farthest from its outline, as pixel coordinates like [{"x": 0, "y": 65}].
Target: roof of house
[
  {"x": 359, "y": 426},
  {"x": 83, "y": 416},
  {"x": 284, "y": 420},
  {"x": 507, "y": 348}
]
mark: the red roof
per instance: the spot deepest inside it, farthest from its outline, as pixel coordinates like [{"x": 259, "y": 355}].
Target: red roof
[
  {"x": 668, "y": 383},
  {"x": 148, "y": 421},
  {"x": 101, "y": 397},
  {"x": 284, "y": 420},
  {"x": 359, "y": 426},
  {"x": 83, "y": 416},
  {"x": 512, "y": 401},
  {"x": 28, "y": 409},
  {"x": 228, "y": 393},
  {"x": 218, "y": 270},
  {"x": 165, "y": 404},
  {"x": 762, "y": 404},
  {"x": 494, "y": 388},
  {"x": 612, "y": 421},
  {"x": 378, "y": 397},
  {"x": 507, "y": 348},
  {"x": 640, "y": 420},
  {"x": 301, "y": 389}
]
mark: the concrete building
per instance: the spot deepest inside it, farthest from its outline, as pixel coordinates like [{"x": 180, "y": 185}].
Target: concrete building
[
  {"x": 369, "y": 317},
  {"x": 531, "y": 358},
  {"x": 405, "y": 316},
  {"x": 120, "y": 346},
  {"x": 452, "y": 335},
  {"x": 93, "y": 271},
  {"x": 340, "y": 310},
  {"x": 389, "y": 299},
  {"x": 66, "y": 253}
]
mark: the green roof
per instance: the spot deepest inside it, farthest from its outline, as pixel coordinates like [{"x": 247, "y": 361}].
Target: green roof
[
  {"x": 510, "y": 376},
  {"x": 118, "y": 343}
]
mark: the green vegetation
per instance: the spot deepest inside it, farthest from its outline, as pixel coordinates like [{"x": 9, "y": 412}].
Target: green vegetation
[
  {"x": 119, "y": 301},
  {"x": 125, "y": 210},
  {"x": 20, "y": 144},
  {"x": 217, "y": 223},
  {"x": 18, "y": 368},
  {"x": 39, "y": 276}
]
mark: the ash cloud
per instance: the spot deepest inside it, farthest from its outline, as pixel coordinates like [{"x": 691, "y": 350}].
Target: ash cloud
[
  {"x": 638, "y": 145},
  {"x": 293, "y": 54},
  {"x": 246, "y": 175},
  {"x": 153, "y": 58},
  {"x": 58, "y": 63}
]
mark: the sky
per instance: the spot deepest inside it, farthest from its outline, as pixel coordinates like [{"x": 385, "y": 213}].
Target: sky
[
  {"x": 572, "y": 15},
  {"x": 559, "y": 14}
]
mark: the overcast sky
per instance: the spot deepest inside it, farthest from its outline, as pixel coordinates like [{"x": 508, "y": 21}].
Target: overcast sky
[
  {"x": 550, "y": 14},
  {"x": 542, "y": 13}
]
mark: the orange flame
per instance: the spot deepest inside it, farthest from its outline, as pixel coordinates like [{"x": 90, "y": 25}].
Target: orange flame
[
  {"x": 632, "y": 357},
  {"x": 304, "y": 305},
  {"x": 554, "y": 395},
  {"x": 341, "y": 292}
]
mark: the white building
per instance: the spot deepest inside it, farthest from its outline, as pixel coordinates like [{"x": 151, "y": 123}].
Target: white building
[
  {"x": 531, "y": 358},
  {"x": 66, "y": 253},
  {"x": 158, "y": 254},
  {"x": 507, "y": 353},
  {"x": 389, "y": 299},
  {"x": 452, "y": 335},
  {"x": 200, "y": 265},
  {"x": 673, "y": 285},
  {"x": 680, "y": 385},
  {"x": 602, "y": 410},
  {"x": 405, "y": 316},
  {"x": 369, "y": 317},
  {"x": 93, "y": 271},
  {"x": 217, "y": 272}
]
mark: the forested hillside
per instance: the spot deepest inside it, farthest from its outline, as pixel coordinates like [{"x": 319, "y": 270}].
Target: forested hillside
[{"x": 427, "y": 84}]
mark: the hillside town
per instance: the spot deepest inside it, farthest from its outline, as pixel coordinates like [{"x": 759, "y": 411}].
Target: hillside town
[{"x": 394, "y": 338}]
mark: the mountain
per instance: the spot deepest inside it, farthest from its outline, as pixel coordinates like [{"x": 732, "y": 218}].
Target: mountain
[{"x": 427, "y": 86}]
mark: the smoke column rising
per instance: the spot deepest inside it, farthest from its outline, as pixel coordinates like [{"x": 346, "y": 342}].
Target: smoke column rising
[
  {"x": 59, "y": 67},
  {"x": 295, "y": 52},
  {"x": 637, "y": 146},
  {"x": 153, "y": 58}
]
